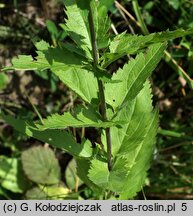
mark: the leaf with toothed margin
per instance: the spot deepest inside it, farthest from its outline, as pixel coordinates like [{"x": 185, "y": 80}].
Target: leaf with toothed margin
[
  {"x": 68, "y": 66},
  {"x": 56, "y": 138},
  {"x": 76, "y": 25},
  {"x": 82, "y": 117},
  {"x": 98, "y": 173},
  {"x": 127, "y": 44},
  {"x": 132, "y": 147},
  {"x": 133, "y": 76},
  {"x": 41, "y": 165}
]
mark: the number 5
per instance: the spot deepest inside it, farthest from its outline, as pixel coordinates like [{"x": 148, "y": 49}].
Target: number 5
[{"x": 184, "y": 206}]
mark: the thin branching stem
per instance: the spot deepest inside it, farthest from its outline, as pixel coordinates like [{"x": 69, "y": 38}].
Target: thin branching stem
[{"x": 101, "y": 87}]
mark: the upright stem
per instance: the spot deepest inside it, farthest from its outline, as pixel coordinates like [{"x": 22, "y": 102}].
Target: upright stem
[
  {"x": 139, "y": 17},
  {"x": 101, "y": 87},
  {"x": 93, "y": 38}
]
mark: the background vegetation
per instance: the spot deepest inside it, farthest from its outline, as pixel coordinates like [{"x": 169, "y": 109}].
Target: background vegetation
[{"x": 21, "y": 93}]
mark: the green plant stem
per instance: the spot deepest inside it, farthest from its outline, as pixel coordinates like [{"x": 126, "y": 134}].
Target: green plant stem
[
  {"x": 102, "y": 104},
  {"x": 139, "y": 17},
  {"x": 109, "y": 148},
  {"x": 93, "y": 38}
]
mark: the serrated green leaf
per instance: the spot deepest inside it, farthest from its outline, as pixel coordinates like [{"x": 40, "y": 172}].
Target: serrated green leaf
[
  {"x": 48, "y": 57},
  {"x": 56, "y": 138},
  {"x": 118, "y": 174},
  {"x": 101, "y": 24},
  {"x": 77, "y": 25},
  {"x": 133, "y": 145},
  {"x": 83, "y": 117},
  {"x": 98, "y": 173},
  {"x": 124, "y": 44},
  {"x": 41, "y": 166},
  {"x": 24, "y": 62},
  {"x": 80, "y": 81},
  {"x": 138, "y": 171},
  {"x": 11, "y": 175},
  {"x": 138, "y": 108},
  {"x": 60, "y": 56},
  {"x": 83, "y": 166},
  {"x": 132, "y": 148},
  {"x": 66, "y": 65},
  {"x": 133, "y": 76}
]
